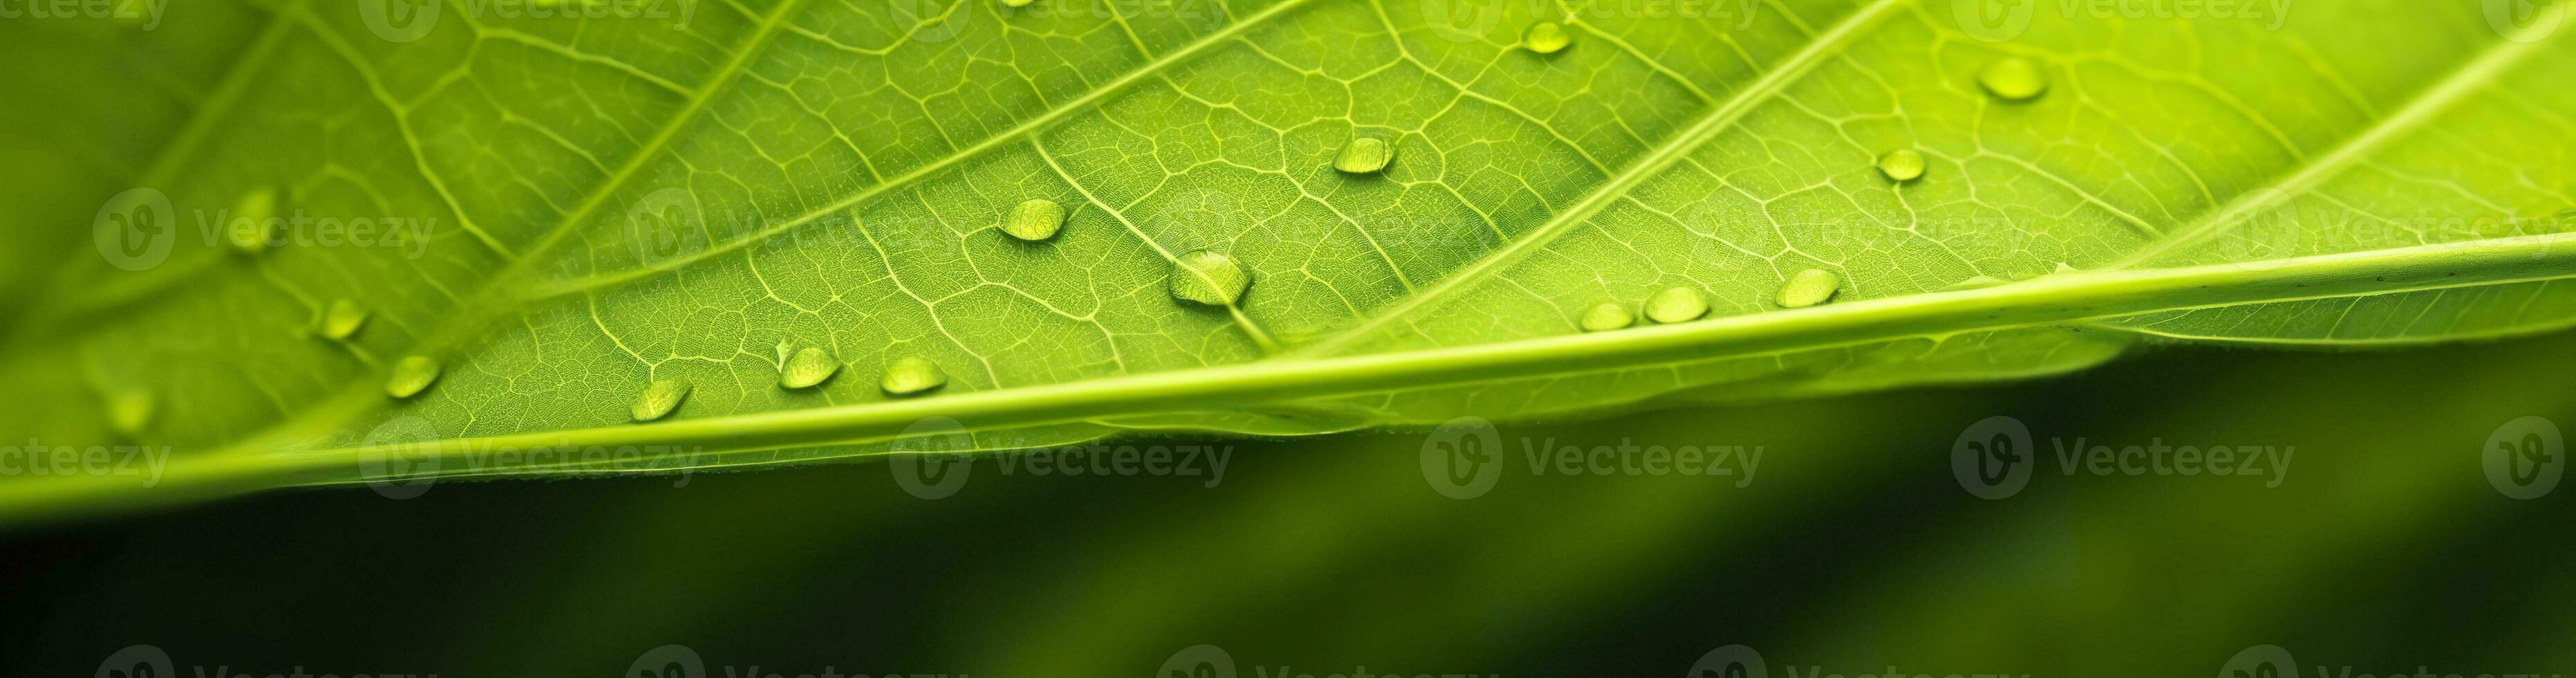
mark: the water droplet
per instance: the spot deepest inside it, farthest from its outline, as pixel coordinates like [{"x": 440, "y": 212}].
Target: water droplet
[
  {"x": 1607, "y": 317},
  {"x": 1016, "y": 3},
  {"x": 1676, "y": 305},
  {"x": 1808, "y": 288},
  {"x": 1035, "y": 220},
  {"x": 250, "y": 227},
  {"x": 1901, "y": 165},
  {"x": 343, "y": 319},
  {"x": 2014, "y": 79},
  {"x": 1364, "y": 155},
  {"x": 1209, "y": 277},
  {"x": 129, "y": 410},
  {"x": 912, "y": 374},
  {"x": 807, "y": 367},
  {"x": 1545, "y": 37},
  {"x": 411, "y": 376},
  {"x": 659, "y": 399}
]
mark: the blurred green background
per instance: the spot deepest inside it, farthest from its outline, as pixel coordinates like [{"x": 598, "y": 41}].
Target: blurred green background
[{"x": 1853, "y": 548}]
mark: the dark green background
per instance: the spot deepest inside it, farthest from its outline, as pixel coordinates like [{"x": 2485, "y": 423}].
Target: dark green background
[{"x": 2384, "y": 549}]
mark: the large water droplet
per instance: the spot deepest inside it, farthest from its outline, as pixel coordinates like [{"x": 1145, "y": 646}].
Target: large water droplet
[
  {"x": 1209, "y": 277},
  {"x": 1364, "y": 155},
  {"x": 248, "y": 226},
  {"x": 1607, "y": 317},
  {"x": 807, "y": 367},
  {"x": 411, "y": 375},
  {"x": 130, "y": 410},
  {"x": 912, "y": 374},
  {"x": 1035, "y": 220},
  {"x": 343, "y": 319},
  {"x": 1901, "y": 165},
  {"x": 2014, "y": 79},
  {"x": 1546, "y": 37},
  {"x": 659, "y": 399},
  {"x": 1808, "y": 288},
  {"x": 1676, "y": 305}
]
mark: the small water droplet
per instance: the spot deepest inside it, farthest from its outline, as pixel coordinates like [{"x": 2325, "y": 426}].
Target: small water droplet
[
  {"x": 1808, "y": 288},
  {"x": 1035, "y": 220},
  {"x": 1901, "y": 165},
  {"x": 2014, "y": 79},
  {"x": 130, "y": 410},
  {"x": 659, "y": 399},
  {"x": 1016, "y": 3},
  {"x": 1676, "y": 305},
  {"x": 1364, "y": 155},
  {"x": 807, "y": 367},
  {"x": 343, "y": 319},
  {"x": 912, "y": 374},
  {"x": 411, "y": 375},
  {"x": 1546, "y": 37},
  {"x": 249, "y": 227},
  {"x": 1607, "y": 317},
  {"x": 1209, "y": 277}
]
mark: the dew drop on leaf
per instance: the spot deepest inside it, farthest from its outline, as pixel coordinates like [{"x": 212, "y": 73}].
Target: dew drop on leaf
[
  {"x": 247, "y": 228},
  {"x": 129, "y": 410},
  {"x": 411, "y": 375},
  {"x": 912, "y": 374},
  {"x": 2014, "y": 79},
  {"x": 1364, "y": 155},
  {"x": 659, "y": 399},
  {"x": 806, "y": 367},
  {"x": 343, "y": 319},
  {"x": 1035, "y": 220},
  {"x": 1676, "y": 305},
  {"x": 1016, "y": 3},
  {"x": 1901, "y": 165},
  {"x": 1808, "y": 288},
  {"x": 1209, "y": 277},
  {"x": 1607, "y": 317},
  {"x": 1546, "y": 37}
]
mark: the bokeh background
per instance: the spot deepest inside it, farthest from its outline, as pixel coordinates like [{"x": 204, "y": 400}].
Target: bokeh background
[{"x": 2384, "y": 548}]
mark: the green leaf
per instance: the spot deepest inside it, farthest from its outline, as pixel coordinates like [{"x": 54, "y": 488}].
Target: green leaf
[{"x": 567, "y": 212}]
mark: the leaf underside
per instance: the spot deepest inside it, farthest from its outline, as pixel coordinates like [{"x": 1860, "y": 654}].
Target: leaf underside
[{"x": 612, "y": 202}]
